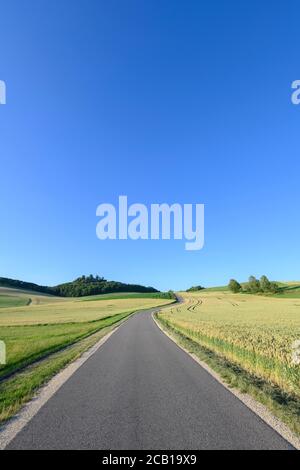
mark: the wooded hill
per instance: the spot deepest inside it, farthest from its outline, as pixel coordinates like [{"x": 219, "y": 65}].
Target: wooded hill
[{"x": 82, "y": 286}]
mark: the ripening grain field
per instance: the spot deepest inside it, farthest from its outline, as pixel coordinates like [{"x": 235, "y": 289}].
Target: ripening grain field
[
  {"x": 72, "y": 311},
  {"x": 257, "y": 333},
  {"x": 50, "y": 323}
]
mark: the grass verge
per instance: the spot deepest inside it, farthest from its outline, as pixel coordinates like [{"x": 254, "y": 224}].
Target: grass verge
[
  {"x": 283, "y": 405},
  {"x": 29, "y": 344},
  {"x": 22, "y": 386}
]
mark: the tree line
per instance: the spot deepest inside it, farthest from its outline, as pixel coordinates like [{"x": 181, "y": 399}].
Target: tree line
[{"x": 254, "y": 286}]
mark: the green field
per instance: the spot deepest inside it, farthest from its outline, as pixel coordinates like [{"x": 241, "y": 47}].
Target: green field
[
  {"x": 13, "y": 301},
  {"x": 289, "y": 291},
  {"x": 32, "y": 331},
  {"x": 26, "y": 297},
  {"x": 26, "y": 344},
  {"x": 216, "y": 289},
  {"x": 21, "y": 387}
]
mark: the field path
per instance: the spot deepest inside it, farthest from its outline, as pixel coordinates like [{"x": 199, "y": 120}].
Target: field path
[{"x": 141, "y": 391}]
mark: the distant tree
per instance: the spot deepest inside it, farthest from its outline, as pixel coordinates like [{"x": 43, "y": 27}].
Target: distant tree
[
  {"x": 195, "y": 288},
  {"x": 253, "y": 285},
  {"x": 265, "y": 284},
  {"x": 274, "y": 288},
  {"x": 168, "y": 295},
  {"x": 234, "y": 286}
]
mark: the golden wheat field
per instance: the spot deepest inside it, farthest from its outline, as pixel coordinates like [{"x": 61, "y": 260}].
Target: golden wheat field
[
  {"x": 66, "y": 311},
  {"x": 258, "y": 333},
  {"x": 40, "y": 328}
]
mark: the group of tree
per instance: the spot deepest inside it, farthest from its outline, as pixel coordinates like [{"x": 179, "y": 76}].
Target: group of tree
[
  {"x": 195, "y": 288},
  {"x": 82, "y": 286},
  {"x": 164, "y": 295},
  {"x": 254, "y": 286}
]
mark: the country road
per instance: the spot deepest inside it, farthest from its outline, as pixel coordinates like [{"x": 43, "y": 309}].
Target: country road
[{"x": 140, "y": 391}]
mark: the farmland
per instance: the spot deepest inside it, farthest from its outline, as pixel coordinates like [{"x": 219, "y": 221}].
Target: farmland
[
  {"x": 255, "y": 332},
  {"x": 49, "y": 324},
  {"x": 251, "y": 341},
  {"x": 12, "y": 301},
  {"x": 73, "y": 311}
]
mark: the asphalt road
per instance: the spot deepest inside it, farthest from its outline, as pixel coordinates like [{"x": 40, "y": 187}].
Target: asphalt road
[{"x": 140, "y": 391}]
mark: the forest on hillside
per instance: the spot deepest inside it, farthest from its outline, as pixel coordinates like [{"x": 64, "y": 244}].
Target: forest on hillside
[{"x": 82, "y": 286}]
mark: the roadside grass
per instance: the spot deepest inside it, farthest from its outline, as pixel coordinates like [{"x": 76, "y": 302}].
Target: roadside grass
[
  {"x": 53, "y": 335},
  {"x": 20, "y": 388},
  {"x": 38, "y": 330},
  {"x": 27, "y": 344},
  {"x": 285, "y": 406}
]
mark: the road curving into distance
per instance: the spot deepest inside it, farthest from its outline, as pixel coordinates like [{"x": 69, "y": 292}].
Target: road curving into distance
[{"x": 141, "y": 391}]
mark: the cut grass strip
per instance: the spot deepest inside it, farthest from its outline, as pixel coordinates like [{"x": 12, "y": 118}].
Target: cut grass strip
[
  {"x": 37, "y": 342},
  {"x": 20, "y": 388},
  {"x": 283, "y": 405}
]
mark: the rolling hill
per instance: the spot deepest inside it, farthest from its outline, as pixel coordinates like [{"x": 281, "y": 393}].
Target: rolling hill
[
  {"x": 82, "y": 286},
  {"x": 287, "y": 289}
]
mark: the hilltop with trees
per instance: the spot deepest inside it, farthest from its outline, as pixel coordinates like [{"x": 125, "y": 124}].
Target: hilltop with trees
[
  {"x": 82, "y": 286},
  {"x": 254, "y": 286},
  {"x": 90, "y": 285}
]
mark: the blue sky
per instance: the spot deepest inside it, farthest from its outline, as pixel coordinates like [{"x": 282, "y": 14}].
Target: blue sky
[{"x": 163, "y": 101}]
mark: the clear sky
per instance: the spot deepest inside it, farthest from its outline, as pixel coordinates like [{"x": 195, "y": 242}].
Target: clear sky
[{"x": 163, "y": 101}]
